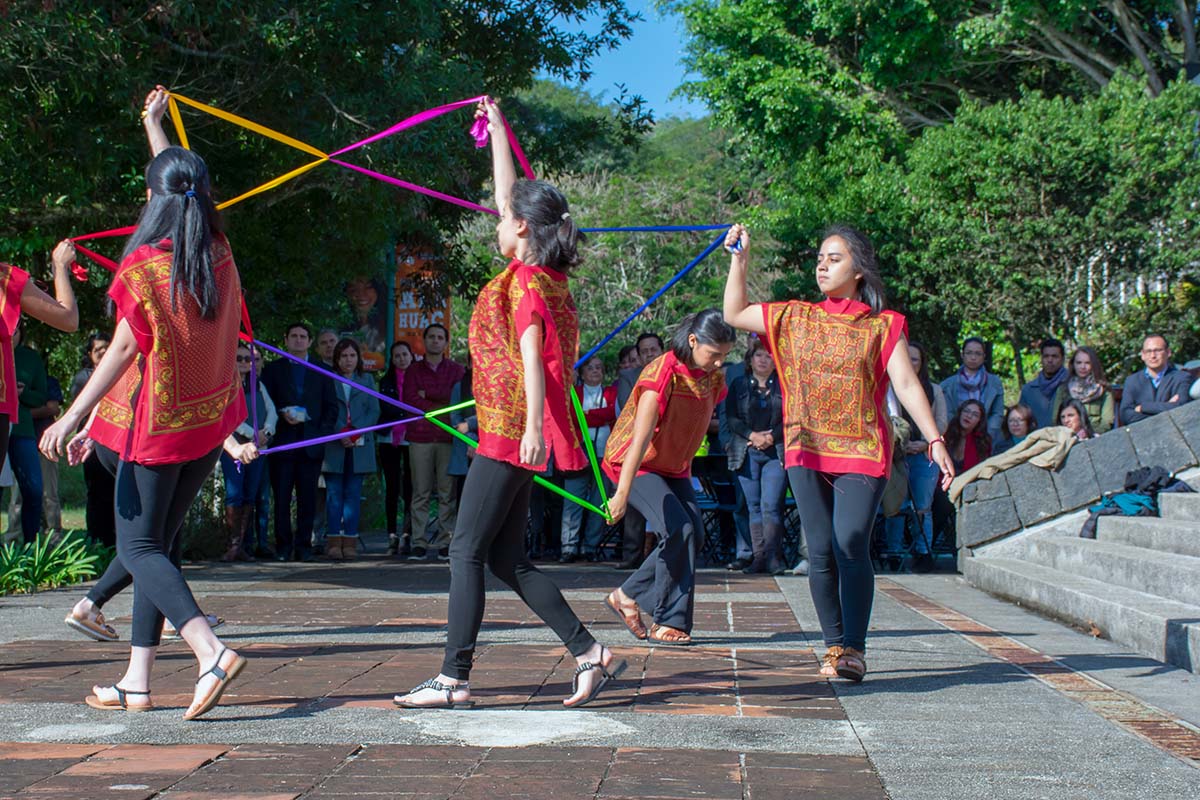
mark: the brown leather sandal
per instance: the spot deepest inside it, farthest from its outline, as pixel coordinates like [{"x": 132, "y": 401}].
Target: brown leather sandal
[
  {"x": 852, "y": 664},
  {"x": 829, "y": 661},
  {"x": 631, "y": 621},
  {"x": 661, "y": 634}
]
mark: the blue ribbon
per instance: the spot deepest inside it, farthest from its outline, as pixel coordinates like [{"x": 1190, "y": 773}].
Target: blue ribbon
[
  {"x": 656, "y": 228},
  {"x": 716, "y": 243}
]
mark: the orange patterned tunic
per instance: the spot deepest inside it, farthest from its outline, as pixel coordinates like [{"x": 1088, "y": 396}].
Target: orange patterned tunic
[
  {"x": 832, "y": 361},
  {"x": 191, "y": 398},
  {"x": 686, "y": 399},
  {"x": 113, "y": 423},
  {"x": 507, "y": 306},
  {"x": 12, "y": 284}
]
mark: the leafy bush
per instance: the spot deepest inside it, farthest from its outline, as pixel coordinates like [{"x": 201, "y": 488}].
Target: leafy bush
[{"x": 45, "y": 564}]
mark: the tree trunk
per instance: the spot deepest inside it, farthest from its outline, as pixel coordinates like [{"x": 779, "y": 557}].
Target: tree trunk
[{"x": 1016, "y": 346}]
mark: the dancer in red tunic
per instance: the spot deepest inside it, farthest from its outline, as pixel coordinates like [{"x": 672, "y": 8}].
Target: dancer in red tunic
[
  {"x": 649, "y": 456},
  {"x": 835, "y": 359},
  {"x": 17, "y": 294},
  {"x": 178, "y": 302},
  {"x": 524, "y": 339}
]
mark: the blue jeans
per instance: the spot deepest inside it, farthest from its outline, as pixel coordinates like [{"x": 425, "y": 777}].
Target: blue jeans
[
  {"x": 27, "y": 470},
  {"x": 343, "y": 499},
  {"x": 241, "y": 485},
  {"x": 922, "y": 482},
  {"x": 764, "y": 483},
  {"x": 584, "y": 487}
]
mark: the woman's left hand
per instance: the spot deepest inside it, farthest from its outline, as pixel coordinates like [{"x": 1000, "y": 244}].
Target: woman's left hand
[{"x": 939, "y": 455}]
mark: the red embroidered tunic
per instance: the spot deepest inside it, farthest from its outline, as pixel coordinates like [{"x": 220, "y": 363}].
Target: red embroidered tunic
[
  {"x": 113, "y": 422},
  {"x": 831, "y": 358},
  {"x": 12, "y": 284},
  {"x": 507, "y": 305},
  {"x": 191, "y": 398},
  {"x": 686, "y": 399}
]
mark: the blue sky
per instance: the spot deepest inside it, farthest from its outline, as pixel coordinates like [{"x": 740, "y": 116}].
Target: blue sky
[{"x": 648, "y": 64}]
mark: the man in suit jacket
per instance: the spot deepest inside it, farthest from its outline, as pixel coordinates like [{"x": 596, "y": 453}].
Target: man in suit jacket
[
  {"x": 1160, "y": 387},
  {"x": 307, "y": 409}
]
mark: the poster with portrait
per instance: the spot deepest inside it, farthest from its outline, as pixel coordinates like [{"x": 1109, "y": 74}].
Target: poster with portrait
[
  {"x": 366, "y": 320},
  {"x": 410, "y": 318}
]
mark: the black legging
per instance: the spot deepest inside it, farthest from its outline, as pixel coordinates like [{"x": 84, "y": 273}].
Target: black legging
[
  {"x": 151, "y": 503},
  {"x": 397, "y": 481},
  {"x": 4, "y": 423},
  {"x": 116, "y": 578},
  {"x": 491, "y": 527},
  {"x": 665, "y": 583},
  {"x": 837, "y": 513}
]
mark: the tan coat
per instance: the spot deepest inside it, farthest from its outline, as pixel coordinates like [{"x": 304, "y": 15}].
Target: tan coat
[{"x": 1045, "y": 447}]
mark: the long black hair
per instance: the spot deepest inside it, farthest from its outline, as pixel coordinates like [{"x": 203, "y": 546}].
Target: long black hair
[
  {"x": 708, "y": 326},
  {"x": 553, "y": 236},
  {"x": 870, "y": 285},
  {"x": 181, "y": 209}
]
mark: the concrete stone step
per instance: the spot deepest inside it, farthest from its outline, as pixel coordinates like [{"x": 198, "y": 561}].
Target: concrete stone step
[
  {"x": 1168, "y": 575},
  {"x": 1152, "y": 533},
  {"x": 1179, "y": 505},
  {"x": 1162, "y": 629}
]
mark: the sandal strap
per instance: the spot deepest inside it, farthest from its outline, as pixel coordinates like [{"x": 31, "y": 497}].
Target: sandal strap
[
  {"x": 123, "y": 693},
  {"x": 216, "y": 669}
]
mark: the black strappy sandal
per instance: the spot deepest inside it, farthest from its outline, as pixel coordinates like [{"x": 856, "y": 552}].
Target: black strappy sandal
[
  {"x": 438, "y": 686},
  {"x": 606, "y": 676},
  {"x": 122, "y": 704},
  {"x": 224, "y": 676}
]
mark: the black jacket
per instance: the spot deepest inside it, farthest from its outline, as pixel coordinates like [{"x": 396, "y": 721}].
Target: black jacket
[
  {"x": 737, "y": 417},
  {"x": 1139, "y": 391},
  {"x": 317, "y": 398}
]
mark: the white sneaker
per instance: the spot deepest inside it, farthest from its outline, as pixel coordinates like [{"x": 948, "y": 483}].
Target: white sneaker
[{"x": 801, "y": 568}]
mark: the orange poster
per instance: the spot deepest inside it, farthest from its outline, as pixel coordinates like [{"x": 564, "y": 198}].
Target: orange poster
[{"x": 410, "y": 319}]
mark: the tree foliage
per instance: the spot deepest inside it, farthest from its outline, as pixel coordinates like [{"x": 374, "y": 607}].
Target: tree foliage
[{"x": 73, "y": 75}]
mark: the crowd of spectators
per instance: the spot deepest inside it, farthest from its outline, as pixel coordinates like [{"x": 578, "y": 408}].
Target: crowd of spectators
[{"x": 305, "y": 502}]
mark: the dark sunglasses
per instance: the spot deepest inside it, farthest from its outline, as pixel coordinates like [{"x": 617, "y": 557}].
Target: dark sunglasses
[{"x": 244, "y": 359}]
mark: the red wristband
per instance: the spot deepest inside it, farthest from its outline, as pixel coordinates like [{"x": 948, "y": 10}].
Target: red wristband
[{"x": 929, "y": 450}]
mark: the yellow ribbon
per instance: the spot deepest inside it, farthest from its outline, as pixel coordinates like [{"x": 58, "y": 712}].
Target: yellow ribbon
[
  {"x": 178, "y": 120},
  {"x": 245, "y": 123},
  {"x": 271, "y": 184}
]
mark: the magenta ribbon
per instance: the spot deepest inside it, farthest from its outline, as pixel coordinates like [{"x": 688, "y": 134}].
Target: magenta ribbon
[{"x": 412, "y": 187}]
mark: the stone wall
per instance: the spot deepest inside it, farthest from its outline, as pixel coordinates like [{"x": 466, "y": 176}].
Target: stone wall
[{"x": 1026, "y": 495}]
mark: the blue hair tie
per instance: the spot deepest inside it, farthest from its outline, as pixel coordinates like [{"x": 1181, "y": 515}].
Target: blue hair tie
[{"x": 190, "y": 193}]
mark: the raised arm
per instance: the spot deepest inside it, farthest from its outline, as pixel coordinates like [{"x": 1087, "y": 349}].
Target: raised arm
[
  {"x": 503, "y": 171},
  {"x": 908, "y": 390},
  {"x": 152, "y": 116},
  {"x": 60, "y": 311},
  {"x": 738, "y": 311}
]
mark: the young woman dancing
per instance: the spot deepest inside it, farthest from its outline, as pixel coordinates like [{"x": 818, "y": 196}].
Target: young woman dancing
[
  {"x": 178, "y": 297},
  {"x": 649, "y": 456},
  {"x": 835, "y": 359},
  {"x": 524, "y": 337}
]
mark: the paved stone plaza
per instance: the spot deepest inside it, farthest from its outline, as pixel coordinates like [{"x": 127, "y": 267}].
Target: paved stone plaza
[{"x": 967, "y": 697}]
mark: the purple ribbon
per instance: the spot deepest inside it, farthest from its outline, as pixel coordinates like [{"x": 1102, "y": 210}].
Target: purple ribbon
[
  {"x": 364, "y": 389},
  {"x": 333, "y": 437}
]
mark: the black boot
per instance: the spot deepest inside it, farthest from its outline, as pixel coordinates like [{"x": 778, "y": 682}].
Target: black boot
[
  {"x": 759, "y": 564},
  {"x": 773, "y": 548}
]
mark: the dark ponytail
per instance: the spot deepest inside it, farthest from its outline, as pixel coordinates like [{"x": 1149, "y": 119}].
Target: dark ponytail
[
  {"x": 553, "y": 236},
  {"x": 181, "y": 209},
  {"x": 708, "y": 326},
  {"x": 870, "y": 285}
]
